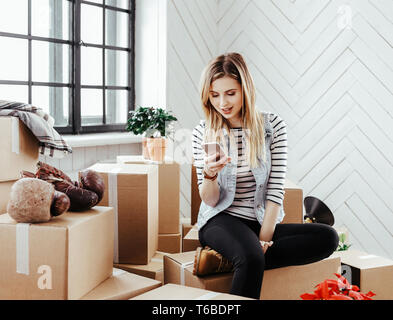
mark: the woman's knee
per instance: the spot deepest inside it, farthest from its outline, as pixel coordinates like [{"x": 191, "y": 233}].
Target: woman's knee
[
  {"x": 330, "y": 238},
  {"x": 250, "y": 260}
]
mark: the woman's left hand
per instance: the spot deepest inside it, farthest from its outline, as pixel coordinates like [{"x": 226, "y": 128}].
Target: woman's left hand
[{"x": 265, "y": 245}]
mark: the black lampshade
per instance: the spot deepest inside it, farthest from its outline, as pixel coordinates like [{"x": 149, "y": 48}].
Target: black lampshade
[{"x": 317, "y": 211}]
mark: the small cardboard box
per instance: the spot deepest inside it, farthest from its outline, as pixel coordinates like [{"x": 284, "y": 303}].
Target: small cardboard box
[
  {"x": 286, "y": 283},
  {"x": 170, "y": 243},
  {"x": 122, "y": 285},
  {"x": 133, "y": 192},
  {"x": 168, "y": 191},
  {"x": 172, "y": 291},
  {"x": 293, "y": 203},
  {"x": 63, "y": 258},
  {"x": 18, "y": 148},
  {"x": 368, "y": 272},
  {"x": 191, "y": 240},
  {"x": 153, "y": 270},
  {"x": 5, "y": 189}
]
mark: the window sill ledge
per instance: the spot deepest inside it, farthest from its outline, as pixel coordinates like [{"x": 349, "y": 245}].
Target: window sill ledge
[{"x": 101, "y": 139}]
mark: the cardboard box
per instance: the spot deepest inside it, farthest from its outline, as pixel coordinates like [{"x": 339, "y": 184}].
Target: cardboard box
[
  {"x": 170, "y": 243},
  {"x": 168, "y": 191},
  {"x": 172, "y": 291},
  {"x": 63, "y": 258},
  {"x": 5, "y": 189},
  {"x": 289, "y": 283},
  {"x": 191, "y": 240},
  {"x": 286, "y": 283},
  {"x": 368, "y": 272},
  {"x": 18, "y": 148},
  {"x": 122, "y": 285},
  {"x": 185, "y": 227},
  {"x": 293, "y": 200},
  {"x": 133, "y": 192},
  {"x": 153, "y": 270},
  {"x": 293, "y": 203}
]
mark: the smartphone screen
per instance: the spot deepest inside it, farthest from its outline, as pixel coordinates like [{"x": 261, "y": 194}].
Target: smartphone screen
[{"x": 212, "y": 148}]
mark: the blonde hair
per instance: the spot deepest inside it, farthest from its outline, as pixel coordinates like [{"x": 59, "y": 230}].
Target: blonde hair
[{"x": 234, "y": 66}]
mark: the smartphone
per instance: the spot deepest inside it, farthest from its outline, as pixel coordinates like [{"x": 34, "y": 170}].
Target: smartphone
[{"x": 213, "y": 148}]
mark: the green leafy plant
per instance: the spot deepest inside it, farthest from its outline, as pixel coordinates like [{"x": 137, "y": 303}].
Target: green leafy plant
[{"x": 150, "y": 122}]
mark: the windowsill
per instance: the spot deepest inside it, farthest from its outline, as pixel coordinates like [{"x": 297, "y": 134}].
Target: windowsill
[{"x": 101, "y": 139}]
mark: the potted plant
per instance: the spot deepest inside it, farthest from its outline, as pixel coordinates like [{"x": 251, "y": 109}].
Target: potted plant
[{"x": 153, "y": 124}]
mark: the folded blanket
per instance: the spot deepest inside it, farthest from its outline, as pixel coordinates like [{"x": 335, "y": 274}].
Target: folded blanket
[{"x": 41, "y": 125}]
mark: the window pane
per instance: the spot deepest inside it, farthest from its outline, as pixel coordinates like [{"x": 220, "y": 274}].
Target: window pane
[
  {"x": 116, "y": 106},
  {"x": 51, "y": 18},
  {"x": 50, "y": 62},
  {"x": 54, "y": 101},
  {"x": 91, "y": 24},
  {"x": 116, "y": 26},
  {"x": 14, "y": 93},
  {"x": 91, "y": 66},
  {"x": 118, "y": 3},
  {"x": 13, "y": 16},
  {"x": 13, "y": 61},
  {"x": 91, "y": 107},
  {"x": 116, "y": 65}
]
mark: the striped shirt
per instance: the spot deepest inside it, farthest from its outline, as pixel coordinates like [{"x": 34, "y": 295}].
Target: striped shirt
[{"x": 243, "y": 203}]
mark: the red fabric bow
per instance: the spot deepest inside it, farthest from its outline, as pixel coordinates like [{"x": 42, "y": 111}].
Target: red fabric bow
[{"x": 339, "y": 289}]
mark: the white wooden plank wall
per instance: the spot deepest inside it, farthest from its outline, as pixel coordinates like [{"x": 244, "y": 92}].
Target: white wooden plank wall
[
  {"x": 192, "y": 42},
  {"x": 326, "y": 67}
]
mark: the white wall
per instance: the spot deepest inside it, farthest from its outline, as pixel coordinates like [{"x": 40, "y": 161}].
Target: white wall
[
  {"x": 325, "y": 67},
  {"x": 192, "y": 42}
]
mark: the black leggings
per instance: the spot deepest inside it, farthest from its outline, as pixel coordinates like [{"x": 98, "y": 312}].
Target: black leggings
[{"x": 237, "y": 239}]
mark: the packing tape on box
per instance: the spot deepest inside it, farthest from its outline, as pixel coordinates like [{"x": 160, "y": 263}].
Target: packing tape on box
[
  {"x": 112, "y": 202},
  {"x": 22, "y": 248},
  {"x": 15, "y": 135},
  {"x": 182, "y": 267},
  {"x": 207, "y": 296}
]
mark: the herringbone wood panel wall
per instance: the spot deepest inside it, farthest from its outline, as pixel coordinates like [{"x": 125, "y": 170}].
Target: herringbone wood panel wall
[{"x": 326, "y": 67}]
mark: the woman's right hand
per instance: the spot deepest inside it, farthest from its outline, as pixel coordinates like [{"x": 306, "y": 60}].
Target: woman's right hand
[{"x": 212, "y": 166}]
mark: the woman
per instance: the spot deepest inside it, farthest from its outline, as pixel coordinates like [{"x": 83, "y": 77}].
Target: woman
[{"x": 242, "y": 192}]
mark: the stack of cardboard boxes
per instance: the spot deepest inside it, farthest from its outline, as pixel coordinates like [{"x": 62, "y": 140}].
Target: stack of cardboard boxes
[
  {"x": 68, "y": 257},
  {"x": 136, "y": 229},
  {"x": 145, "y": 196}
]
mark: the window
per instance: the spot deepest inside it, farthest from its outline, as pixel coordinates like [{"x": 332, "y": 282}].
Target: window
[{"x": 73, "y": 58}]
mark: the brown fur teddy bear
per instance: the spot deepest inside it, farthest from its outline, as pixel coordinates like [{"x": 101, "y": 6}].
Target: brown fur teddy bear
[{"x": 33, "y": 200}]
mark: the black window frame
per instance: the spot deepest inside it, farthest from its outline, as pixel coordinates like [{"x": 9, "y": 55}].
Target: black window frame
[{"x": 75, "y": 120}]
